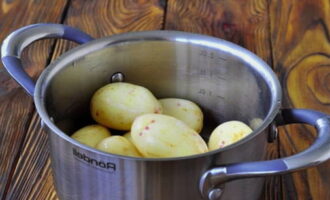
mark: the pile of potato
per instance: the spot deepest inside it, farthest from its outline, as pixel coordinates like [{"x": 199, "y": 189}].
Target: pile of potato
[{"x": 155, "y": 128}]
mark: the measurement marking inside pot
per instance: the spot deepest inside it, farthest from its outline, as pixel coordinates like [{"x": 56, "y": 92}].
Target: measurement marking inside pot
[
  {"x": 212, "y": 74},
  {"x": 206, "y": 92},
  {"x": 93, "y": 68},
  {"x": 211, "y": 55}
]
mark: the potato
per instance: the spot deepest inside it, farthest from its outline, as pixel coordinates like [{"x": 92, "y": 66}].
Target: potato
[
  {"x": 118, "y": 145},
  {"x": 128, "y": 136},
  {"x": 185, "y": 111},
  {"x": 91, "y": 135},
  {"x": 228, "y": 133},
  {"x": 160, "y": 136},
  {"x": 255, "y": 123},
  {"x": 116, "y": 105}
]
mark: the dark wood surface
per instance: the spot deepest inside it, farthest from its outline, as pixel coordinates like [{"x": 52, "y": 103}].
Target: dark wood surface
[
  {"x": 291, "y": 36},
  {"x": 300, "y": 39}
]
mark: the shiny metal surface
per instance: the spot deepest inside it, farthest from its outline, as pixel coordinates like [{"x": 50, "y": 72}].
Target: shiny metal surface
[
  {"x": 317, "y": 153},
  {"x": 227, "y": 81},
  {"x": 117, "y": 77},
  {"x": 215, "y": 194},
  {"x": 80, "y": 174},
  {"x": 273, "y": 132},
  {"x": 180, "y": 68},
  {"x": 13, "y": 45},
  {"x": 314, "y": 154}
]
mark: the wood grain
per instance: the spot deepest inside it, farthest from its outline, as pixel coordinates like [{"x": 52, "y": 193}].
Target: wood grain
[
  {"x": 243, "y": 22},
  {"x": 32, "y": 177},
  {"x": 16, "y": 106},
  {"x": 32, "y": 168},
  {"x": 292, "y": 36},
  {"x": 301, "y": 54}
]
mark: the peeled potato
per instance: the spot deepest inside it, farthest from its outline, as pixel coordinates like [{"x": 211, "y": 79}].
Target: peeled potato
[
  {"x": 118, "y": 145},
  {"x": 184, "y": 110},
  {"x": 116, "y": 105},
  {"x": 160, "y": 136},
  {"x": 128, "y": 136},
  {"x": 91, "y": 135},
  {"x": 255, "y": 123},
  {"x": 228, "y": 133}
]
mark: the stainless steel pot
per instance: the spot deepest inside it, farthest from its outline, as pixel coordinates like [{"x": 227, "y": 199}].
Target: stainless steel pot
[{"x": 226, "y": 80}]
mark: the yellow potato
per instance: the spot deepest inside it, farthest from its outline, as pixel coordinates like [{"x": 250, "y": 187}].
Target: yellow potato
[
  {"x": 255, "y": 123},
  {"x": 116, "y": 105},
  {"x": 228, "y": 133},
  {"x": 128, "y": 136},
  {"x": 118, "y": 145},
  {"x": 91, "y": 135},
  {"x": 160, "y": 136},
  {"x": 184, "y": 110}
]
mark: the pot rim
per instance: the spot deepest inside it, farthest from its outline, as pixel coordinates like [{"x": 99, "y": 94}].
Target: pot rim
[{"x": 160, "y": 35}]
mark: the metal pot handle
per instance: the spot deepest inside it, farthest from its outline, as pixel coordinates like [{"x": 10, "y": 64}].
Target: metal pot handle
[
  {"x": 14, "y": 44},
  {"x": 318, "y": 152}
]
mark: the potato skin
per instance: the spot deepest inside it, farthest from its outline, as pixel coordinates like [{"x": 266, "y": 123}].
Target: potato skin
[
  {"x": 116, "y": 105},
  {"x": 162, "y": 136},
  {"x": 228, "y": 133},
  {"x": 128, "y": 136},
  {"x": 118, "y": 145},
  {"x": 91, "y": 135},
  {"x": 255, "y": 123},
  {"x": 184, "y": 110}
]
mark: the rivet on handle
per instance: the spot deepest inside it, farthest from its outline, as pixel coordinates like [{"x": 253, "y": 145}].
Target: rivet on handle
[
  {"x": 215, "y": 194},
  {"x": 273, "y": 133},
  {"x": 117, "y": 77}
]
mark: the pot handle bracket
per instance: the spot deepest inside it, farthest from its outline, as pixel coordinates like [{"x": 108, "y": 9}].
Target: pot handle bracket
[
  {"x": 14, "y": 44},
  {"x": 211, "y": 182}
]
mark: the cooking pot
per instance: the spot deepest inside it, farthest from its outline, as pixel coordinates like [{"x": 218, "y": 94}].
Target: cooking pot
[{"x": 226, "y": 80}]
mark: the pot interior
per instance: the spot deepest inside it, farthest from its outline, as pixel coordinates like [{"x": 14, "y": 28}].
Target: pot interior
[{"x": 226, "y": 81}]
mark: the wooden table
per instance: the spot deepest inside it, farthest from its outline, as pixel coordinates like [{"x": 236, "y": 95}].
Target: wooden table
[{"x": 292, "y": 36}]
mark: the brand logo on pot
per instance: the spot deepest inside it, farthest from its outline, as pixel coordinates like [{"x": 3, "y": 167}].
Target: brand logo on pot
[{"x": 95, "y": 163}]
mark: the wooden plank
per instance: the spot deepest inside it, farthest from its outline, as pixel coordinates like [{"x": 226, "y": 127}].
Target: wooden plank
[
  {"x": 16, "y": 106},
  {"x": 32, "y": 178},
  {"x": 301, "y": 52},
  {"x": 33, "y": 166},
  {"x": 243, "y": 22}
]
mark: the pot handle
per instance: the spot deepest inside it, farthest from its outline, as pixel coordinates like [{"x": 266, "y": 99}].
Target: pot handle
[
  {"x": 14, "y": 44},
  {"x": 318, "y": 152}
]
